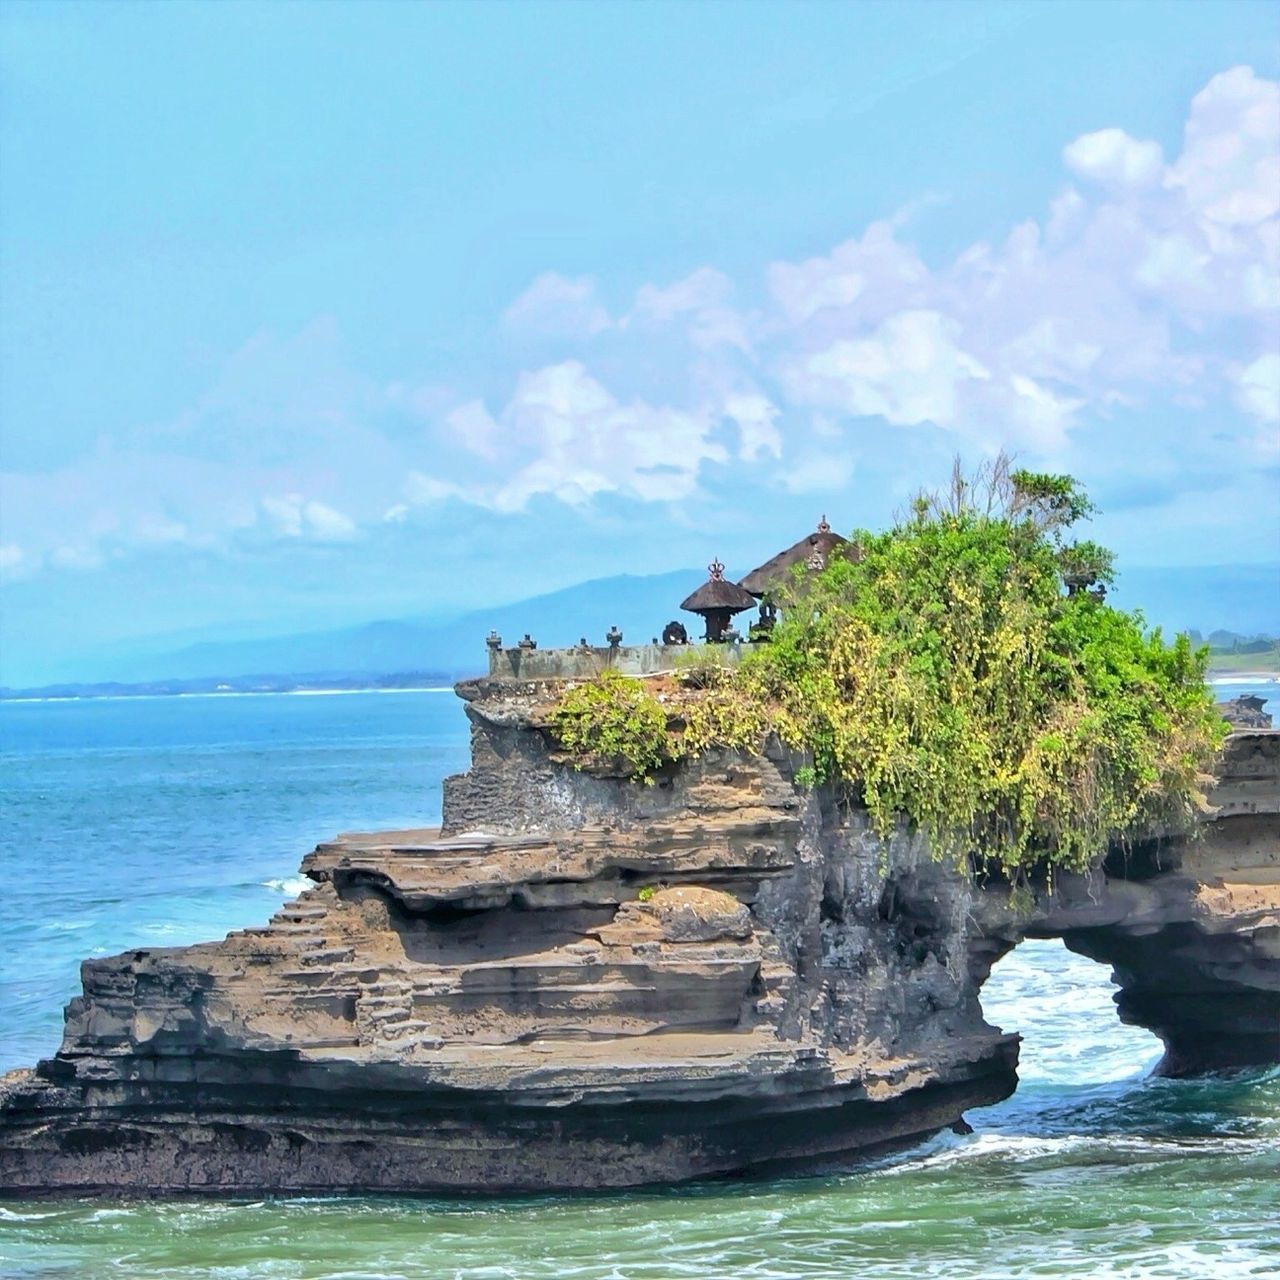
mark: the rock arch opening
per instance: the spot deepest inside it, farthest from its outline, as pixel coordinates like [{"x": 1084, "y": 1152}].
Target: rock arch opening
[{"x": 1063, "y": 1005}]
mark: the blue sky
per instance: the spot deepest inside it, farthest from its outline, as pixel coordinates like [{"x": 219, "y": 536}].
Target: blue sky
[{"x": 312, "y": 314}]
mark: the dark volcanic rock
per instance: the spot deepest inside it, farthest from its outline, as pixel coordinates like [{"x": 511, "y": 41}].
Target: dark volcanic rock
[
  {"x": 499, "y": 1006},
  {"x": 1190, "y": 925}
]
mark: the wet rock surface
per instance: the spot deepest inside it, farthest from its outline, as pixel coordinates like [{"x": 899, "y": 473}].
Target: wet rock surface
[{"x": 584, "y": 982}]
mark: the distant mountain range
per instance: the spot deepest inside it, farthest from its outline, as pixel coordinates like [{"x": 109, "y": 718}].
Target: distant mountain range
[
  {"x": 1239, "y": 598},
  {"x": 640, "y": 606}
]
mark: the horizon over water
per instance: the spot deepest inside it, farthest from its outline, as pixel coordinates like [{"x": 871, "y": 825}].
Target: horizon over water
[{"x": 170, "y": 820}]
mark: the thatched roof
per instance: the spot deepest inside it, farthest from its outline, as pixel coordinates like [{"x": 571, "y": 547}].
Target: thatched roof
[
  {"x": 816, "y": 546},
  {"x": 718, "y": 593}
]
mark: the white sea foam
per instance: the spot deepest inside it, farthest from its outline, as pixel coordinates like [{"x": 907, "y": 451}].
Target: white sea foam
[
  {"x": 331, "y": 693},
  {"x": 1022, "y": 1148},
  {"x": 227, "y": 693},
  {"x": 292, "y": 885}
]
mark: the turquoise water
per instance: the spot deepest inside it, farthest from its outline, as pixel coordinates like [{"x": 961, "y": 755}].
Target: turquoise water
[{"x": 146, "y": 821}]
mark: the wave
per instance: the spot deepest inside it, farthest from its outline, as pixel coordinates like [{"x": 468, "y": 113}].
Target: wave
[
  {"x": 224, "y": 693},
  {"x": 292, "y": 885},
  {"x": 331, "y": 693},
  {"x": 11, "y": 1215},
  {"x": 1065, "y": 1149}
]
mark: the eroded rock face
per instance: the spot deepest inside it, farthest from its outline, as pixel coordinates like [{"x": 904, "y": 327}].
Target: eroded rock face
[
  {"x": 1190, "y": 925},
  {"x": 582, "y": 982}
]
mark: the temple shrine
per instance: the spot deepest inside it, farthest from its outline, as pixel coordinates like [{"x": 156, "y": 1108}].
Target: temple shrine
[{"x": 717, "y": 602}]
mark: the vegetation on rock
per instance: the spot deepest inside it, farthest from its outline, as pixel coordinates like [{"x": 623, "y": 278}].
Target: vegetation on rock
[
  {"x": 611, "y": 722},
  {"x": 963, "y": 672}
]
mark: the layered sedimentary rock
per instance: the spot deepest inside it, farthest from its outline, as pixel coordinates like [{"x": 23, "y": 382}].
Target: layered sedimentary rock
[
  {"x": 1190, "y": 925},
  {"x": 581, "y": 981}
]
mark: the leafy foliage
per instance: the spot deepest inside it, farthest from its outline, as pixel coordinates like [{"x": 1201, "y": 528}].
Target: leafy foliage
[
  {"x": 730, "y": 714},
  {"x": 611, "y": 722},
  {"x": 703, "y": 667},
  {"x": 1086, "y": 564},
  {"x": 947, "y": 677}
]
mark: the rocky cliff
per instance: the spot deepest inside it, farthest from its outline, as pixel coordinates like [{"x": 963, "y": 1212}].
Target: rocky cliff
[{"x": 581, "y": 981}]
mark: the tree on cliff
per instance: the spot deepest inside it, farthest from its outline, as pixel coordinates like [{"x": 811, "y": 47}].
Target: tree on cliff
[{"x": 964, "y": 673}]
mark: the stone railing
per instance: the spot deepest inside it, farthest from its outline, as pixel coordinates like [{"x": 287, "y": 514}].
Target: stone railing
[{"x": 584, "y": 661}]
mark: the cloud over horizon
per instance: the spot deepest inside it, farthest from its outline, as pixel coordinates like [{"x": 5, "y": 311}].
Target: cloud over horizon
[{"x": 1147, "y": 292}]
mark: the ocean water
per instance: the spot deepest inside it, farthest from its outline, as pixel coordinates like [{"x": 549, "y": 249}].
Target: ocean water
[{"x": 169, "y": 820}]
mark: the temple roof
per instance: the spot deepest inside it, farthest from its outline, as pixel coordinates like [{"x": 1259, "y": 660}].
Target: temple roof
[
  {"x": 718, "y": 593},
  {"x": 813, "y": 547}
]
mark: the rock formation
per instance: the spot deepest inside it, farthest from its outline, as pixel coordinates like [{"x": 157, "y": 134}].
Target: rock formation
[
  {"x": 581, "y": 981},
  {"x": 1190, "y": 925}
]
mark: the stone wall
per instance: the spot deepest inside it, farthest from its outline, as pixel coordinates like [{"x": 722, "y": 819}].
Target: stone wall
[{"x": 584, "y": 661}]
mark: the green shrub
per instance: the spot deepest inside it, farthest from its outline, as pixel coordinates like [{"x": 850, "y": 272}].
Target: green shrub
[
  {"x": 612, "y": 723},
  {"x": 947, "y": 677},
  {"x": 957, "y": 676},
  {"x": 702, "y": 666},
  {"x": 731, "y": 714}
]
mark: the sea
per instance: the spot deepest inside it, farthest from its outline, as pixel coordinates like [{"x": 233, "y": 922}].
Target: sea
[{"x": 161, "y": 821}]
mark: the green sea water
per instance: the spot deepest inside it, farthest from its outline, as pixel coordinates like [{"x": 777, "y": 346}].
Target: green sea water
[{"x": 132, "y": 822}]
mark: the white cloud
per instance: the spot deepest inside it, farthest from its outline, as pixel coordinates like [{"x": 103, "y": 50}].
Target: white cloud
[
  {"x": 284, "y": 416},
  {"x": 1258, "y": 388},
  {"x": 1053, "y": 348},
  {"x": 1173, "y": 261},
  {"x": 756, "y": 419},
  {"x": 556, "y": 306},
  {"x": 472, "y": 426},
  {"x": 76, "y": 558},
  {"x": 286, "y": 513},
  {"x": 805, "y": 288},
  {"x": 1140, "y": 287},
  {"x": 819, "y": 471},
  {"x": 155, "y": 528},
  {"x": 910, "y": 370},
  {"x": 1142, "y": 291},
  {"x": 864, "y": 270},
  {"x": 424, "y": 491},
  {"x": 1144, "y": 284},
  {"x": 1043, "y": 416},
  {"x": 294, "y": 516},
  {"x": 705, "y": 287},
  {"x": 14, "y": 562},
  {"x": 327, "y": 525},
  {"x": 572, "y": 439},
  {"x": 1111, "y": 156},
  {"x": 1229, "y": 170},
  {"x": 702, "y": 302}
]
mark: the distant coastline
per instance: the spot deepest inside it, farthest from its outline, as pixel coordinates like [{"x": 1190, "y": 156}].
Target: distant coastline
[
  {"x": 238, "y": 686},
  {"x": 409, "y": 682}
]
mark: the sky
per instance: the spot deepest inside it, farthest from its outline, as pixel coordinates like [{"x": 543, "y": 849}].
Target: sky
[{"x": 314, "y": 314}]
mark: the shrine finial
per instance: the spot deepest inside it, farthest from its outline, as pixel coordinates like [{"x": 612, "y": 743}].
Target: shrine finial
[
  {"x": 716, "y": 570},
  {"x": 823, "y": 526}
]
